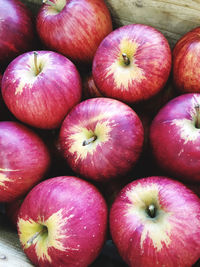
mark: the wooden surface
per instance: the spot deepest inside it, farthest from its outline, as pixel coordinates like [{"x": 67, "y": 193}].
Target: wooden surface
[{"x": 172, "y": 17}]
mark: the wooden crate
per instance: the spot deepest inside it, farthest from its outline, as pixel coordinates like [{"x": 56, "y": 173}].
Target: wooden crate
[{"x": 173, "y": 18}]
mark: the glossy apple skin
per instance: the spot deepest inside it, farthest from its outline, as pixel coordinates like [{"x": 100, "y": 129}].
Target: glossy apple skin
[
  {"x": 41, "y": 100},
  {"x": 175, "y": 139},
  {"x": 186, "y": 63},
  {"x": 75, "y": 214},
  {"x": 77, "y": 30},
  {"x": 119, "y": 142},
  {"x": 24, "y": 160},
  {"x": 150, "y": 63},
  {"x": 17, "y": 31},
  {"x": 169, "y": 239}
]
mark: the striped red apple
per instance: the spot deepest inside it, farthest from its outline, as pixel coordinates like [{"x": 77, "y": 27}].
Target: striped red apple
[
  {"x": 40, "y": 88},
  {"x": 74, "y": 28},
  {"x": 24, "y": 160},
  {"x": 175, "y": 138},
  {"x": 186, "y": 63},
  {"x": 132, "y": 63},
  {"x": 17, "y": 30},
  {"x": 101, "y": 138},
  {"x": 155, "y": 221},
  {"x": 63, "y": 222}
]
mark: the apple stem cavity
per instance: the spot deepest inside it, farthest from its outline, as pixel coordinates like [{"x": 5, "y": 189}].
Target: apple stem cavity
[
  {"x": 48, "y": 2},
  {"x": 52, "y": 4},
  {"x": 126, "y": 59},
  {"x": 197, "y": 122},
  {"x": 37, "y": 69},
  {"x": 151, "y": 210},
  {"x": 90, "y": 140},
  {"x": 43, "y": 230}
]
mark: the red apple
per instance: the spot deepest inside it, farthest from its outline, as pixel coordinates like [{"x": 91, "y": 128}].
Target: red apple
[
  {"x": 17, "y": 33},
  {"x": 24, "y": 160},
  {"x": 186, "y": 62},
  {"x": 132, "y": 63},
  {"x": 155, "y": 221},
  {"x": 101, "y": 138},
  {"x": 62, "y": 222},
  {"x": 74, "y": 28},
  {"x": 175, "y": 137},
  {"x": 90, "y": 89},
  {"x": 41, "y": 87}
]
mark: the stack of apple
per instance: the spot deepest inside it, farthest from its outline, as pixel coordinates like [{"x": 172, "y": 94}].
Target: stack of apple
[{"x": 98, "y": 140}]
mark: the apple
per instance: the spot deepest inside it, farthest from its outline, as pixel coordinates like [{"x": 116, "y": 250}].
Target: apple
[
  {"x": 17, "y": 30},
  {"x": 74, "y": 28},
  {"x": 101, "y": 138},
  {"x": 24, "y": 160},
  {"x": 90, "y": 89},
  {"x": 132, "y": 63},
  {"x": 186, "y": 62},
  {"x": 63, "y": 222},
  {"x": 175, "y": 137},
  {"x": 155, "y": 221},
  {"x": 41, "y": 87}
]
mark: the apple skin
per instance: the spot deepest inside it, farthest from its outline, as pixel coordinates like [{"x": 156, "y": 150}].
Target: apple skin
[
  {"x": 75, "y": 214},
  {"x": 17, "y": 30},
  {"x": 186, "y": 63},
  {"x": 119, "y": 138},
  {"x": 77, "y": 30},
  {"x": 169, "y": 239},
  {"x": 149, "y": 65},
  {"x": 175, "y": 139},
  {"x": 41, "y": 100},
  {"x": 24, "y": 160},
  {"x": 90, "y": 89}
]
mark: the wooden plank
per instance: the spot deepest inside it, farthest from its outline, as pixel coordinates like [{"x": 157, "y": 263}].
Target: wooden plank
[{"x": 172, "y": 17}]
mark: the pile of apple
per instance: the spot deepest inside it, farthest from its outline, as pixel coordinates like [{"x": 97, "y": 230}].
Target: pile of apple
[{"x": 97, "y": 139}]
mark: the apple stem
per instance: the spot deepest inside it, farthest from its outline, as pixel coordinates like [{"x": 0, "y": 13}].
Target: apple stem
[
  {"x": 30, "y": 241},
  {"x": 36, "y": 63},
  {"x": 90, "y": 140},
  {"x": 151, "y": 211},
  {"x": 126, "y": 59},
  {"x": 197, "y": 122}
]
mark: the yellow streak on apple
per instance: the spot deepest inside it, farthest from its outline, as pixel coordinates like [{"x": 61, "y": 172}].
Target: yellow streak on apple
[
  {"x": 102, "y": 131},
  {"x": 3, "y": 179},
  {"x": 124, "y": 75},
  {"x": 27, "y": 74},
  {"x": 157, "y": 229},
  {"x": 186, "y": 128},
  {"x": 54, "y": 237},
  {"x": 7, "y": 170}
]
